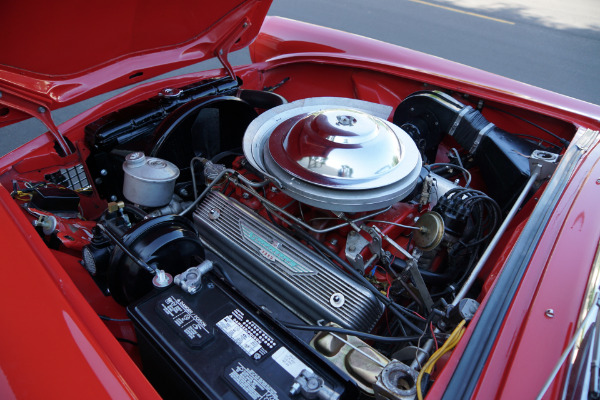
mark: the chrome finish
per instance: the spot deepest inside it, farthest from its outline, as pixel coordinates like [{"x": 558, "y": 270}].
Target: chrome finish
[
  {"x": 335, "y": 154},
  {"x": 337, "y": 300},
  {"x": 261, "y": 127},
  {"x": 170, "y": 93},
  {"x": 361, "y": 152}
]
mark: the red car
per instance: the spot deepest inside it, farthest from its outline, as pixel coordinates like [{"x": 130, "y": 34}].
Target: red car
[{"x": 342, "y": 218}]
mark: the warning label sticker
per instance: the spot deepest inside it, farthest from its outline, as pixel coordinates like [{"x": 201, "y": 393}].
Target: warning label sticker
[
  {"x": 187, "y": 323},
  {"x": 248, "y": 335},
  {"x": 289, "y": 362},
  {"x": 251, "y": 384}
]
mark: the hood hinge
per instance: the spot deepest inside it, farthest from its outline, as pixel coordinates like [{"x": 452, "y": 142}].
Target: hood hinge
[{"x": 38, "y": 111}]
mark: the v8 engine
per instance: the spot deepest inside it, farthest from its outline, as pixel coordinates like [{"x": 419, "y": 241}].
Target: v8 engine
[{"x": 313, "y": 249}]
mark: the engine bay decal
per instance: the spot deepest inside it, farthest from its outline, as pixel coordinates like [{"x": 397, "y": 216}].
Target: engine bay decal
[
  {"x": 272, "y": 252},
  {"x": 246, "y": 334}
]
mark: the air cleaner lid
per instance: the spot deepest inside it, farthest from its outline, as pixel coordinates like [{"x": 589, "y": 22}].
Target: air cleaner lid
[
  {"x": 334, "y": 153},
  {"x": 340, "y": 147}
]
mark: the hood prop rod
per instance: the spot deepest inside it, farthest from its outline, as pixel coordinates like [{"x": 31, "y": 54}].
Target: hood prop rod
[
  {"x": 225, "y": 47},
  {"x": 38, "y": 111}
]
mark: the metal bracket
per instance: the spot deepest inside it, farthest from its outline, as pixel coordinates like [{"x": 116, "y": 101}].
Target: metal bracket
[
  {"x": 480, "y": 136},
  {"x": 428, "y": 185},
  {"x": 458, "y": 119},
  {"x": 422, "y": 290},
  {"x": 546, "y": 161},
  {"x": 376, "y": 242},
  {"x": 355, "y": 244},
  {"x": 396, "y": 381}
]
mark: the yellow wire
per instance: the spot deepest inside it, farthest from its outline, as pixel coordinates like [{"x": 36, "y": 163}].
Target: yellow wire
[
  {"x": 452, "y": 341},
  {"x": 23, "y": 196}
]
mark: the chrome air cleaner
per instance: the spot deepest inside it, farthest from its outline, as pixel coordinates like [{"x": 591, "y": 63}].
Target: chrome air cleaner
[{"x": 334, "y": 153}]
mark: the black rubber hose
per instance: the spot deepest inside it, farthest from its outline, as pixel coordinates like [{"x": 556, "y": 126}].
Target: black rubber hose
[
  {"x": 350, "y": 332},
  {"x": 430, "y": 277}
]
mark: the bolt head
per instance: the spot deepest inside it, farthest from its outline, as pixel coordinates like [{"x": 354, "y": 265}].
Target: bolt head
[
  {"x": 213, "y": 214},
  {"x": 295, "y": 389},
  {"x": 313, "y": 383},
  {"x": 549, "y": 313}
]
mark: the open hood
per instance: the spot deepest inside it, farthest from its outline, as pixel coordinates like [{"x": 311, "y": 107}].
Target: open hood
[{"x": 58, "y": 53}]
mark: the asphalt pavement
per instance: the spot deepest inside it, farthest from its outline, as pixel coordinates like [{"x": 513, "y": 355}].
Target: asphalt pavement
[{"x": 553, "y": 44}]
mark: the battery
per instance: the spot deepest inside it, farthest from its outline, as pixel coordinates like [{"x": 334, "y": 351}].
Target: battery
[{"x": 215, "y": 344}]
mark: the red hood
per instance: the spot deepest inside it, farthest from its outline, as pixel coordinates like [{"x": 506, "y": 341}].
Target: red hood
[{"x": 58, "y": 53}]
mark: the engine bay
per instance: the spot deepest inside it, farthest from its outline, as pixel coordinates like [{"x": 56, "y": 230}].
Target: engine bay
[{"x": 270, "y": 241}]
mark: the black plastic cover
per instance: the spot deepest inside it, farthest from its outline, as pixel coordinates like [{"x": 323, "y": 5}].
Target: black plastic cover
[
  {"x": 55, "y": 199},
  {"x": 501, "y": 156},
  {"x": 504, "y": 162}
]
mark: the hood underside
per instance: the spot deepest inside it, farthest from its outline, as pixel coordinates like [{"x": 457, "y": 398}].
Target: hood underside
[{"x": 55, "y": 54}]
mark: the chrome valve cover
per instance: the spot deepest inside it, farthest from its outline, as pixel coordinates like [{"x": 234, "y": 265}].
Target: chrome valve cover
[{"x": 308, "y": 285}]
